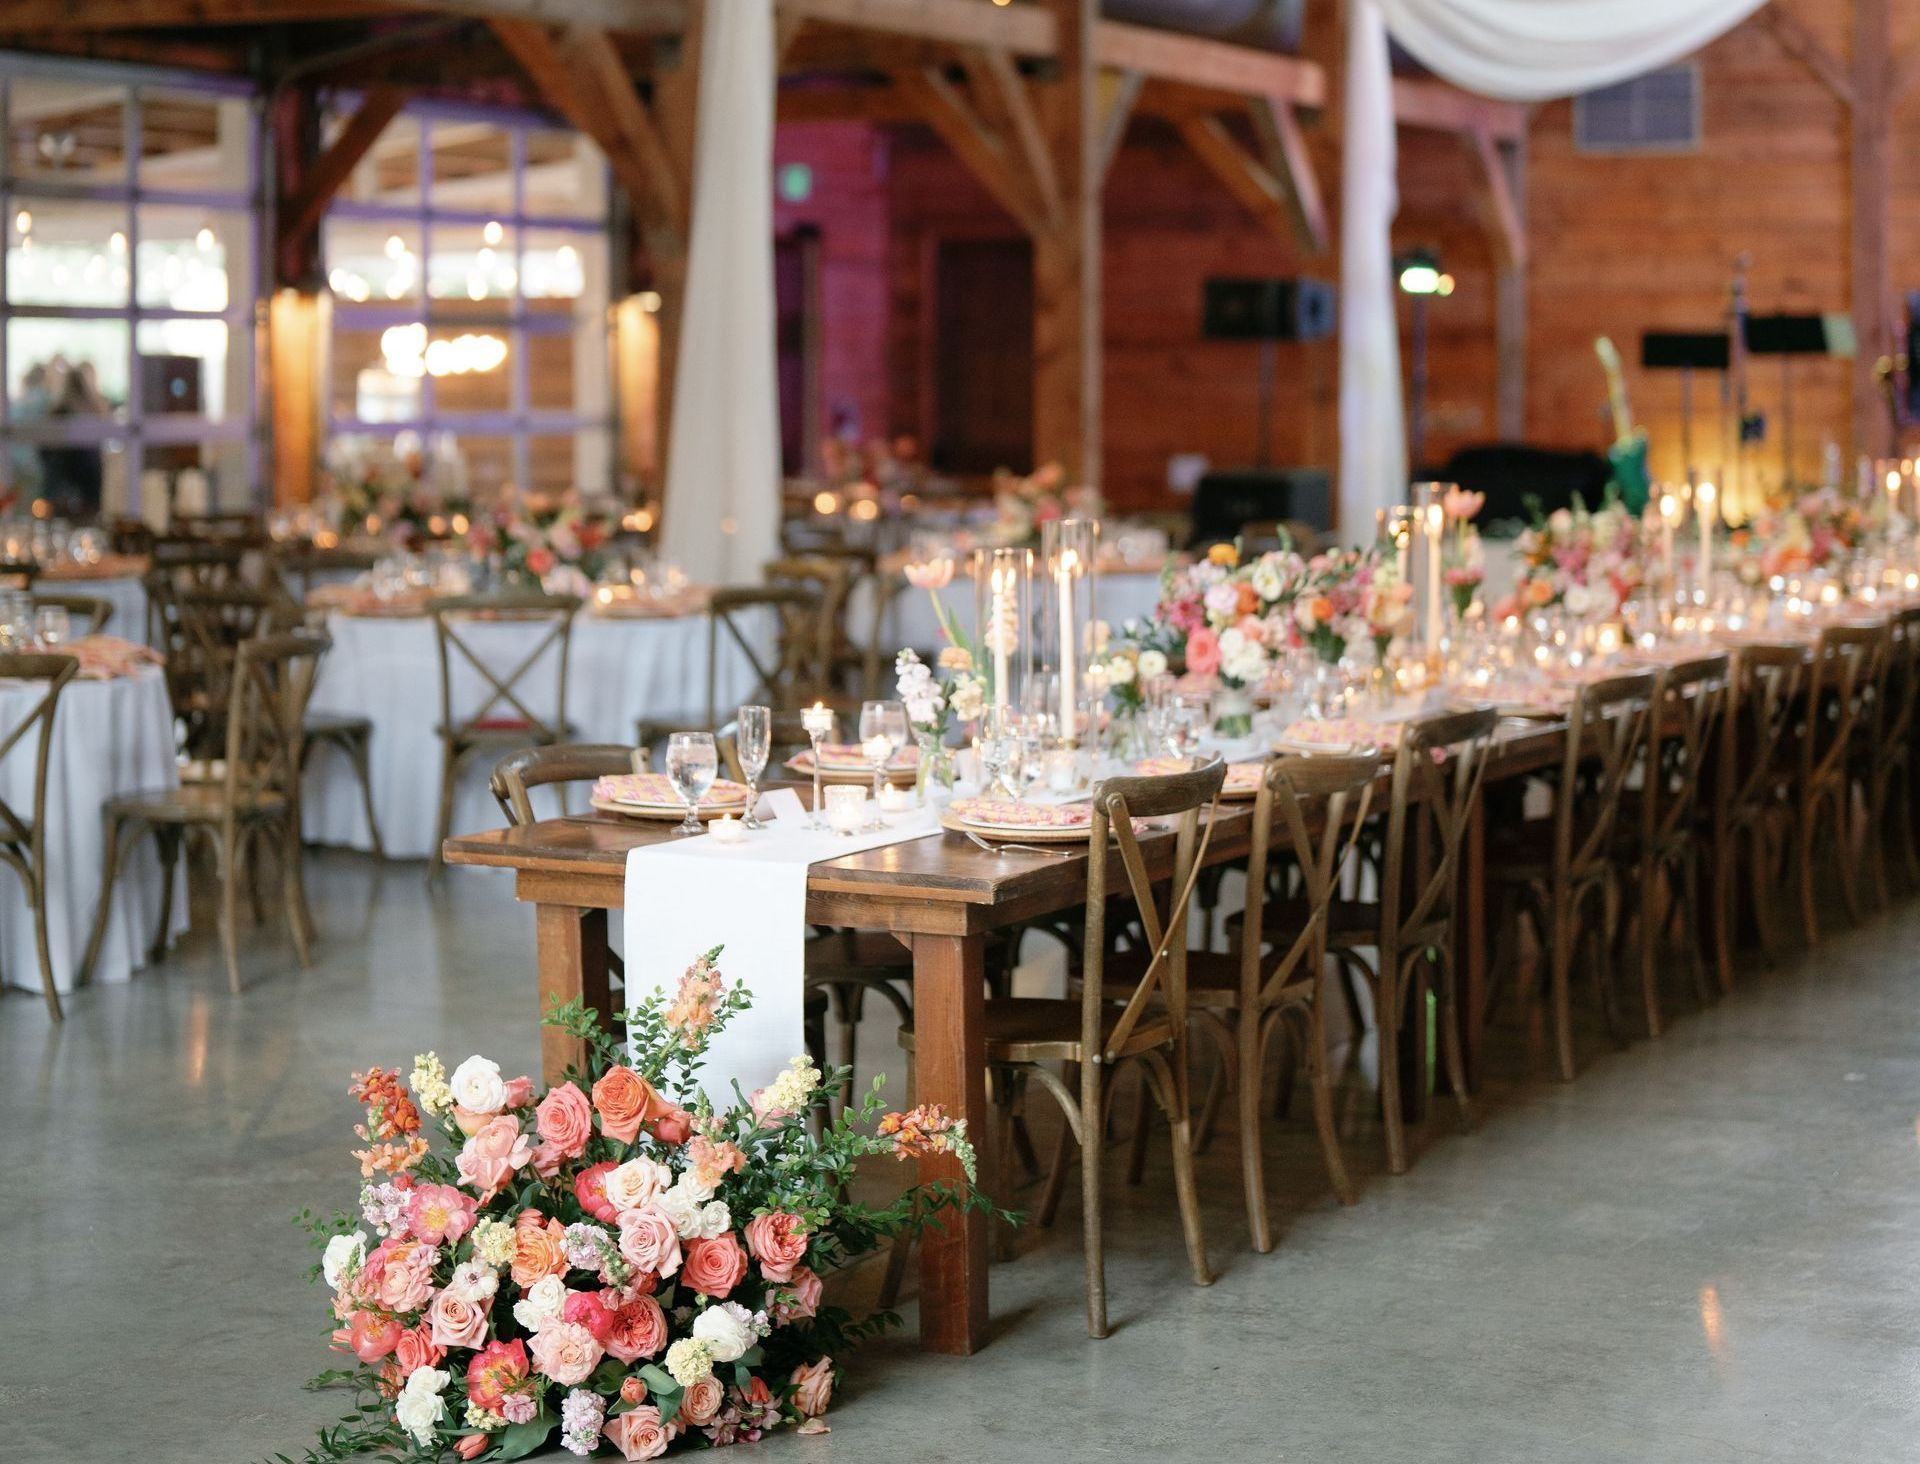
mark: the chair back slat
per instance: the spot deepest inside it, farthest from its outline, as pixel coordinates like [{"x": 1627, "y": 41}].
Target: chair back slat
[
  {"x": 1688, "y": 700},
  {"x": 1116, "y": 803},
  {"x": 455, "y": 619},
  {"x": 1763, "y": 703},
  {"x": 1438, "y": 770},
  {"x": 88, "y": 614},
  {"x": 1606, "y": 730},
  {"x": 23, "y": 836},
  {"x": 517, "y": 775},
  {"x": 791, "y": 673},
  {"x": 273, "y": 678},
  {"x": 1841, "y": 691}
]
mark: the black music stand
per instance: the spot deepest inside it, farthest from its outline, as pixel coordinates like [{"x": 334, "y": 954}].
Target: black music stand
[
  {"x": 1787, "y": 336},
  {"x": 1685, "y": 352}
]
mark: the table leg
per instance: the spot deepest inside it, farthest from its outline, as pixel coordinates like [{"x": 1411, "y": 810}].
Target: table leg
[
  {"x": 949, "y": 1065},
  {"x": 1470, "y": 942},
  {"x": 572, "y": 947}
]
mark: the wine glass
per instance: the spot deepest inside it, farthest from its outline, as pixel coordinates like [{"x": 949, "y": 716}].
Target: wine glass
[
  {"x": 691, "y": 765},
  {"x": 1030, "y": 753},
  {"x": 753, "y": 739},
  {"x": 996, "y": 749},
  {"x": 54, "y": 625}
]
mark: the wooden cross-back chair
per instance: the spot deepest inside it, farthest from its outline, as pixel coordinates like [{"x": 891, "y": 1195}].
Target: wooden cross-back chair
[
  {"x": 1753, "y": 787},
  {"x": 835, "y": 656},
  {"x": 1557, "y": 868},
  {"x": 787, "y": 668},
  {"x": 1438, "y": 770},
  {"x": 177, "y": 564},
  {"x": 23, "y": 840},
  {"x": 505, "y": 714},
  {"x": 18, "y": 574},
  {"x": 1842, "y": 692},
  {"x": 300, "y": 566},
  {"x": 1097, "y": 1038},
  {"x": 1890, "y": 783},
  {"x": 1660, "y": 837},
  {"x": 255, "y": 801},
  {"x": 212, "y": 623},
  {"x": 87, "y": 614}
]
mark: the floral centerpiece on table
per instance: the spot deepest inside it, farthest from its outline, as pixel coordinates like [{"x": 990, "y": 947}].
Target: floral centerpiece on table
[
  {"x": 1330, "y": 602},
  {"x": 1588, "y": 561},
  {"x": 1796, "y": 533},
  {"x": 618, "y": 1264},
  {"x": 1232, "y": 618},
  {"x": 1462, "y": 559},
  {"x": 395, "y": 494},
  {"x": 1021, "y": 505},
  {"x": 1386, "y": 604},
  {"x": 538, "y": 535}
]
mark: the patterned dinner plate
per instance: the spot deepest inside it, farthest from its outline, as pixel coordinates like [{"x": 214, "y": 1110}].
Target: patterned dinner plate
[
  {"x": 651, "y": 795},
  {"x": 1339, "y": 735},
  {"x": 843, "y": 762},
  {"x": 1243, "y": 778},
  {"x": 1062, "y": 823}
]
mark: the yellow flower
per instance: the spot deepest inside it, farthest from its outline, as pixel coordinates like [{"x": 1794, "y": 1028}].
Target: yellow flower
[
  {"x": 495, "y": 1242},
  {"x": 1224, "y": 555},
  {"x": 429, "y": 1083}
]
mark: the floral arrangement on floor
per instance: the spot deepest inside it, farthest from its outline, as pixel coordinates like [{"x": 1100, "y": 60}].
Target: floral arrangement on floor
[
  {"x": 1021, "y": 505},
  {"x": 1462, "y": 558},
  {"x": 1587, "y": 561},
  {"x": 1797, "y": 533},
  {"x": 620, "y": 1261},
  {"x": 535, "y": 536}
]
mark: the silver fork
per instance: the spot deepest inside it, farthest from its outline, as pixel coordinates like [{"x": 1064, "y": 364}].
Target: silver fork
[{"x": 993, "y": 848}]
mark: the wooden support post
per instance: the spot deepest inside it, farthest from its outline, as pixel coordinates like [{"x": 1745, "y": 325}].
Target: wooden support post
[
  {"x": 293, "y": 356},
  {"x": 1872, "y": 185},
  {"x": 1503, "y": 204},
  {"x": 1119, "y": 90},
  {"x": 1067, "y": 260}
]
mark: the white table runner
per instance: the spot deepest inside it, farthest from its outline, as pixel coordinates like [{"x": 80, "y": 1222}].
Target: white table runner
[{"x": 687, "y": 896}]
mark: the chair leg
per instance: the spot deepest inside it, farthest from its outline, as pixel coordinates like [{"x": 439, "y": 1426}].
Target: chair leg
[
  {"x": 170, "y": 842},
  {"x": 1688, "y": 905},
  {"x": 1184, "y": 1186},
  {"x": 1650, "y": 944},
  {"x": 37, "y": 893},
  {"x": 1056, "y": 1185},
  {"x": 252, "y": 856},
  {"x": 1321, "y": 1083},
  {"x": 359, "y": 749},
  {"x": 1092, "y": 1077},
  {"x": 1388, "y": 1014},
  {"x": 1721, "y": 892},
  {"x": 109, "y": 869},
  {"x": 1451, "y": 1052},
  {"x": 293, "y": 887},
  {"x": 229, "y": 850},
  {"x": 1247, "y": 1029},
  {"x": 1845, "y": 861},
  {"x": 1560, "y": 959},
  {"x": 1761, "y": 861},
  {"x": 1809, "y": 826}
]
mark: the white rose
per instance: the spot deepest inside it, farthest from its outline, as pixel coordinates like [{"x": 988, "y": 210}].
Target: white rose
[
  {"x": 715, "y": 1220},
  {"x": 420, "y": 1406},
  {"x": 683, "y": 1210},
  {"x": 478, "y": 1087},
  {"x": 727, "y": 1329},
  {"x": 1233, "y": 642},
  {"x": 1119, "y": 671},
  {"x": 1578, "y": 599},
  {"x": 1152, "y": 664},
  {"x": 544, "y": 1304},
  {"x": 636, "y": 1183},
  {"x": 345, "y": 1255},
  {"x": 473, "y": 1282},
  {"x": 1268, "y": 583}
]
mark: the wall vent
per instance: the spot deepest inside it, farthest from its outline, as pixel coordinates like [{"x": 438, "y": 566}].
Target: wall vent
[{"x": 1655, "y": 113}]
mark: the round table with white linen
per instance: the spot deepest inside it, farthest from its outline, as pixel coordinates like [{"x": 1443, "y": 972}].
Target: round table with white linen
[
  {"x": 109, "y": 737},
  {"x": 387, "y": 668},
  {"x": 125, "y": 593},
  {"x": 1121, "y": 595}
]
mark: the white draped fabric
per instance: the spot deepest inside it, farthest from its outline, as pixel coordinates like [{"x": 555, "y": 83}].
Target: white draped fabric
[
  {"x": 1523, "y": 50},
  {"x": 723, "y": 468}
]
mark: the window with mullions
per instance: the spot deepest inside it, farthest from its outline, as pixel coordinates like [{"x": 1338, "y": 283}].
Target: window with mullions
[
  {"x": 467, "y": 262},
  {"x": 127, "y": 297}
]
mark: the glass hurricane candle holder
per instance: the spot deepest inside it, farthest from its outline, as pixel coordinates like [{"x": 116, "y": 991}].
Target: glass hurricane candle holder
[
  {"x": 1003, "y": 621},
  {"x": 1069, "y": 625}
]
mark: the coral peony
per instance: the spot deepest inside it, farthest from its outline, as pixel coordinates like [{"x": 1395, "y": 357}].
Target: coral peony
[
  {"x": 590, "y": 1189},
  {"x": 439, "y": 1214},
  {"x": 497, "y": 1370},
  {"x": 778, "y": 1243}
]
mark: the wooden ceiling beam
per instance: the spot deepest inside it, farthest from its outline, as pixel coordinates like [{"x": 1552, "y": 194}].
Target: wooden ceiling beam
[
  {"x": 1809, "y": 50},
  {"x": 883, "y": 105},
  {"x": 594, "y": 55},
  {"x": 532, "y": 45},
  {"x": 90, "y": 15},
  {"x": 1119, "y": 93},
  {"x": 1246, "y": 178},
  {"x": 1203, "y": 62},
  {"x": 1000, "y": 93},
  {"x": 1499, "y": 203},
  {"x": 1284, "y": 148},
  {"x": 1440, "y": 107},
  {"x": 300, "y": 214},
  {"x": 945, "y": 110},
  {"x": 1023, "y": 30}
]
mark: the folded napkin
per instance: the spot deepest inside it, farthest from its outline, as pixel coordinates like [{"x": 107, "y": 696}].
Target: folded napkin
[{"x": 107, "y": 657}]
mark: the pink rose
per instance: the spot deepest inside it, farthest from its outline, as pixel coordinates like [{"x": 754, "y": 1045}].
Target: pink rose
[
  {"x": 701, "y": 1402},
  {"x": 778, "y": 1244},
  {"x": 566, "y": 1352},
  {"x": 398, "y": 1276},
  {"x": 800, "y": 1298},
  {"x": 639, "y": 1330},
  {"x": 590, "y": 1310},
  {"x": 637, "y": 1433},
  {"x": 1203, "y": 652},
  {"x": 649, "y": 1240},
  {"x": 457, "y": 1322},
  {"x": 439, "y": 1214},
  {"x": 565, "y": 1120},
  {"x": 590, "y": 1189},
  {"x": 673, "y": 1127},
  {"x": 372, "y": 1336},
  {"x": 469, "y": 1121},
  {"x": 416, "y": 1349},
  {"x": 519, "y": 1092},
  {"x": 714, "y": 1267},
  {"x": 490, "y": 1157},
  {"x": 636, "y": 1184},
  {"x": 813, "y": 1387}
]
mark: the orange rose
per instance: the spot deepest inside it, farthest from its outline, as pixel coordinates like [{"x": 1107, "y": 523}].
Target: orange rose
[
  {"x": 701, "y": 1402},
  {"x": 1322, "y": 609},
  {"x": 813, "y": 1387},
  {"x": 623, "y": 1099},
  {"x": 539, "y": 1250},
  {"x": 1538, "y": 592}
]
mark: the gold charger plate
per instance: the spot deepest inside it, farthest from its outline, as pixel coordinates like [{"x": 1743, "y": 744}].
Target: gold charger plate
[
  {"x": 1039, "y": 835},
  {"x": 676, "y": 813}
]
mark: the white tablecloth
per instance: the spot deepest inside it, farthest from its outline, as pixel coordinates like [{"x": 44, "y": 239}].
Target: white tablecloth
[
  {"x": 109, "y": 737},
  {"x": 126, "y": 594},
  {"x": 389, "y": 670},
  {"x": 909, "y": 620}
]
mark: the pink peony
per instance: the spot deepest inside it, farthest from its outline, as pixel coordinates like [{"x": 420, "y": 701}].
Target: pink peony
[
  {"x": 1203, "y": 652},
  {"x": 650, "y": 1241},
  {"x": 566, "y": 1352},
  {"x": 490, "y": 1157},
  {"x": 714, "y": 1267},
  {"x": 590, "y": 1189},
  {"x": 497, "y": 1370},
  {"x": 813, "y": 1387},
  {"x": 565, "y": 1120},
  {"x": 439, "y": 1214},
  {"x": 590, "y": 1310},
  {"x": 639, "y": 1330},
  {"x": 457, "y": 1322},
  {"x": 778, "y": 1243},
  {"x": 637, "y": 1434}
]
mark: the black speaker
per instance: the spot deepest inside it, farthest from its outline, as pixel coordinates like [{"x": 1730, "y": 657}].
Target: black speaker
[
  {"x": 1268, "y": 310},
  {"x": 1675, "y": 350},
  {"x": 1224, "y": 501}
]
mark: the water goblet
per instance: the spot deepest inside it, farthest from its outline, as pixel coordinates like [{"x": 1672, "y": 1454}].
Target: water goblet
[
  {"x": 692, "y": 764},
  {"x": 53, "y": 625},
  {"x": 753, "y": 739}
]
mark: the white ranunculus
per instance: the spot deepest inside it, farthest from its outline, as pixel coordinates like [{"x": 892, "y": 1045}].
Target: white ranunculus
[
  {"x": 683, "y": 1210},
  {"x": 1152, "y": 664},
  {"x": 420, "y": 1406},
  {"x": 473, "y": 1282},
  {"x": 544, "y": 1304},
  {"x": 1579, "y": 600},
  {"x": 727, "y": 1329},
  {"x": 1268, "y": 583},
  {"x": 345, "y": 1254},
  {"x": 478, "y": 1087},
  {"x": 715, "y": 1220},
  {"x": 1119, "y": 671}
]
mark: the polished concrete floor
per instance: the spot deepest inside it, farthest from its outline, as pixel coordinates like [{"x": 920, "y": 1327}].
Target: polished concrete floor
[{"x": 1708, "y": 1248}]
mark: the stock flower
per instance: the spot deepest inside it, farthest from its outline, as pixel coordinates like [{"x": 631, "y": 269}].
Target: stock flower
[
  {"x": 439, "y": 1213},
  {"x": 566, "y": 1352},
  {"x": 714, "y": 1267},
  {"x": 637, "y": 1434},
  {"x": 478, "y": 1087},
  {"x": 581, "y": 1415},
  {"x": 688, "y": 1361},
  {"x": 926, "y": 1130},
  {"x": 429, "y": 1083},
  {"x": 420, "y": 1407},
  {"x": 710, "y": 1163},
  {"x": 639, "y": 1330},
  {"x": 344, "y": 1256},
  {"x": 813, "y": 1387},
  {"x": 727, "y": 1329},
  {"x": 494, "y": 1241},
  {"x": 498, "y": 1369},
  {"x": 778, "y": 1242},
  {"x": 696, "y": 1003}
]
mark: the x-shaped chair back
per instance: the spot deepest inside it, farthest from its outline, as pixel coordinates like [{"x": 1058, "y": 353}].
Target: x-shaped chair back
[
  {"x": 179, "y": 565},
  {"x": 1117, "y": 802},
  {"x": 1894, "y": 731},
  {"x": 795, "y": 672},
  {"x": 505, "y": 694},
  {"x": 517, "y": 775},
  {"x": 19, "y": 837},
  {"x": 1437, "y": 772},
  {"x": 1763, "y": 705},
  {"x": 273, "y": 677},
  {"x": 1688, "y": 699},
  {"x": 1608, "y": 725},
  {"x": 831, "y": 578},
  {"x": 1847, "y": 665},
  {"x": 1291, "y": 792}
]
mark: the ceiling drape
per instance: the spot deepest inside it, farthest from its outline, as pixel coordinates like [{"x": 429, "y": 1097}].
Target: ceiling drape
[
  {"x": 1521, "y": 50},
  {"x": 723, "y": 463}
]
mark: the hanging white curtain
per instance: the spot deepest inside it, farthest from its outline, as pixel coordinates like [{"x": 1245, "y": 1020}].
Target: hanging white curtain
[
  {"x": 1522, "y": 50},
  {"x": 723, "y": 467}
]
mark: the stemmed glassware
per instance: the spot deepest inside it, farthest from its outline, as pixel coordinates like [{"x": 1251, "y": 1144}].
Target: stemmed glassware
[
  {"x": 883, "y": 733},
  {"x": 692, "y": 763},
  {"x": 817, "y": 720},
  {"x": 753, "y": 740},
  {"x": 997, "y": 747}
]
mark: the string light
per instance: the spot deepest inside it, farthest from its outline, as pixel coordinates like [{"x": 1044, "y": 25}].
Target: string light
[
  {"x": 204, "y": 240},
  {"x": 493, "y": 233},
  {"x": 23, "y": 222}
]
